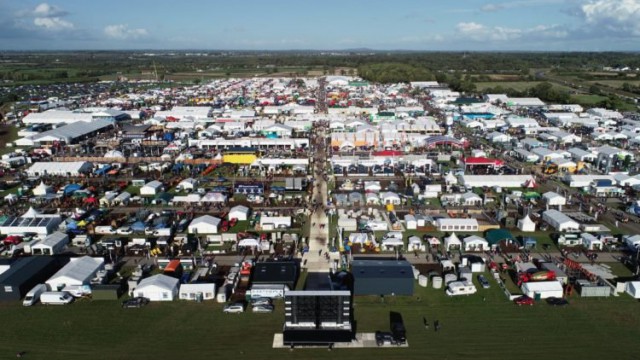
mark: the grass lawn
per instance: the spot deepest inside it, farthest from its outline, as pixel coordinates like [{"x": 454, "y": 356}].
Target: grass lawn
[
  {"x": 472, "y": 328},
  {"x": 587, "y": 99}
]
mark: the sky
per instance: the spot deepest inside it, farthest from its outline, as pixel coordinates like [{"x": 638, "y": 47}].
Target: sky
[{"x": 426, "y": 25}]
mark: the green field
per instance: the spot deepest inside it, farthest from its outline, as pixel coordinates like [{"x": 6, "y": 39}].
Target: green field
[
  {"x": 472, "y": 328},
  {"x": 516, "y": 85},
  {"x": 616, "y": 83},
  {"x": 587, "y": 99}
]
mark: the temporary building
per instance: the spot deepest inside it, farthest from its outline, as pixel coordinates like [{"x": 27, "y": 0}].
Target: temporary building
[
  {"x": 24, "y": 274},
  {"x": 526, "y": 224},
  {"x": 52, "y": 245},
  {"x": 151, "y": 188},
  {"x": 382, "y": 277},
  {"x": 239, "y": 212},
  {"x": 205, "y": 224},
  {"x": 542, "y": 289},
  {"x": 200, "y": 291},
  {"x": 415, "y": 244},
  {"x": 390, "y": 198},
  {"x": 410, "y": 222},
  {"x": 633, "y": 288},
  {"x": 187, "y": 184},
  {"x": 79, "y": 271},
  {"x": 452, "y": 242},
  {"x": 42, "y": 190},
  {"x": 632, "y": 241},
  {"x": 475, "y": 243},
  {"x": 30, "y": 222},
  {"x": 158, "y": 288},
  {"x": 464, "y": 225},
  {"x": 590, "y": 242},
  {"x": 503, "y": 181},
  {"x": 122, "y": 199},
  {"x": 74, "y": 168},
  {"x": 560, "y": 221},
  {"x": 275, "y": 222},
  {"x": 214, "y": 197},
  {"x": 554, "y": 199}
]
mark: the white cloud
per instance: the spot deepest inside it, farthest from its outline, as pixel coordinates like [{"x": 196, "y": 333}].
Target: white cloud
[
  {"x": 491, "y": 7},
  {"x": 52, "y": 23},
  {"x": 479, "y": 32},
  {"x": 123, "y": 32},
  {"x": 617, "y": 16},
  {"x": 47, "y": 10}
]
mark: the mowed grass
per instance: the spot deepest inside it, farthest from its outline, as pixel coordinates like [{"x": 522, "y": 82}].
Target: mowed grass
[{"x": 482, "y": 326}]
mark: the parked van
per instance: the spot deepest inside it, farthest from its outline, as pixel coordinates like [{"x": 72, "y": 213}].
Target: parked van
[
  {"x": 55, "y": 298},
  {"x": 34, "y": 294}
]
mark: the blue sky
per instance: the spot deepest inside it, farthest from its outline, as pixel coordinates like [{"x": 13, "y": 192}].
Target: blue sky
[{"x": 539, "y": 25}]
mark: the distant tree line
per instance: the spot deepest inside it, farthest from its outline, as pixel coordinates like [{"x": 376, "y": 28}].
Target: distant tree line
[{"x": 394, "y": 73}]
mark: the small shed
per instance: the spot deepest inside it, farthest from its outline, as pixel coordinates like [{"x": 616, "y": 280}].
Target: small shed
[
  {"x": 158, "y": 288},
  {"x": 122, "y": 199},
  {"x": 410, "y": 222},
  {"x": 591, "y": 242},
  {"x": 390, "y": 197}
]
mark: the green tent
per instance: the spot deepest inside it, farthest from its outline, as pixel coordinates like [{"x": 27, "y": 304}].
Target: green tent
[
  {"x": 531, "y": 195},
  {"x": 494, "y": 236}
]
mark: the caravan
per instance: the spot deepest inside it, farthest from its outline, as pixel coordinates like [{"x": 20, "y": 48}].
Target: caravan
[{"x": 460, "y": 288}]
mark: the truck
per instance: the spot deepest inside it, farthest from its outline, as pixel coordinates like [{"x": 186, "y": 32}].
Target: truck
[
  {"x": 34, "y": 294},
  {"x": 397, "y": 327},
  {"x": 55, "y": 298}
]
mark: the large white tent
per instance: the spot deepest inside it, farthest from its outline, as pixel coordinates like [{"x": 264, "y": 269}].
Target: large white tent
[
  {"x": 79, "y": 271},
  {"x": 560, "y": 221},
  {"x": 205, "y": 224},
  {"x": 475, "y": 243},
  {"x": 158, "y": 288},
  {"x": 239, "y": 212},
  {"x": 73, "y": 168}
]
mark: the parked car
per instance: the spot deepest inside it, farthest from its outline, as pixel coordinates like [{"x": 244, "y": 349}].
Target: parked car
[
  {"x": 483, "y": 281},
  {"x": 125, "y": 230},
  {"x": 136, "y": 302},
  {"x": 523, "y": 300},
  {"x": 262, "y": 308},
  {"x": 261, "y": 301},
  {"x": 555, "y": 301},
  {"x": 385, "y": 338},
  {"x": 233, "y": 308}
]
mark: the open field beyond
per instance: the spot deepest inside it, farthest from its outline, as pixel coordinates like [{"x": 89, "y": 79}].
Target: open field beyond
[{"x": 587, "y": 329}]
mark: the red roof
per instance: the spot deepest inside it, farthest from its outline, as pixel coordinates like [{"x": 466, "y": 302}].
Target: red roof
[
  {"x": 388, "y": 153},
  {"x": 482, "y": 161}
]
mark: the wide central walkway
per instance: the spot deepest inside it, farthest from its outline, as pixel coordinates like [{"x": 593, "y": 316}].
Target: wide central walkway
[{"x": 317, "y": 260}]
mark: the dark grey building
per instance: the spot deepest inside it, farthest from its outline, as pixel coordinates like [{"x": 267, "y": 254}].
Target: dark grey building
[
  {"x": 276, "y": 272},
  {"x": 382, "y": 277},
  {"x": 26, "y": 273}
]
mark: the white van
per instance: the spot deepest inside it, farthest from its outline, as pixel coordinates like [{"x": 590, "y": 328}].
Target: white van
[
  {"x": 55, "y": 298},
  {"x": 104, "y": 230},
  {"x": 33, "y": 295},
  {"x": 461, "y": 288}
]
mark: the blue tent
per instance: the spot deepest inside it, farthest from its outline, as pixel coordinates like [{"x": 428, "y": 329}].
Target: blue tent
[
  {"x": 71, "y": 188},
  {"x": 71, "y": 224},
  {"x": 137, "y": 226}
]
